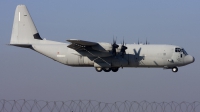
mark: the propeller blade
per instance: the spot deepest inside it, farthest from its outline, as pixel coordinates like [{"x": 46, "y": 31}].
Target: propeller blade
[
  {"x": 114, "y": 46},
  {"x": 146, "y": 41},
  {"x": 123, "y": 49}
]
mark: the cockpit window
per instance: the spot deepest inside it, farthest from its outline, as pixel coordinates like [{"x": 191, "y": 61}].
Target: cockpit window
[
  {"x": 181, "y": 50},
  {"x": 184, "y": 52},
  {"x": 178, "y": 50}
]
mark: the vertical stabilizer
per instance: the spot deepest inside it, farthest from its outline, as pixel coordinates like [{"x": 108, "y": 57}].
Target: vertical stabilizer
[{"x": 24, "y": 31}]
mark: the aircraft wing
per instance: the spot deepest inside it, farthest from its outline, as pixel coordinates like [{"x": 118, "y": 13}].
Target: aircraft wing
[{"x": 79, "y": 44}]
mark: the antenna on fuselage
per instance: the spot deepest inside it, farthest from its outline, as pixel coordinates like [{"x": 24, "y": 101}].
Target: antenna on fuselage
[
  {"x": 138, "y": 41},
  {"x": 146, "y": 41}
]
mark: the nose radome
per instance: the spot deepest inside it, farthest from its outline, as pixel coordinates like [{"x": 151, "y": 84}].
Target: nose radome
[
  {"x": 193, "y": 59},
  {"x": 189, "y": 59}
]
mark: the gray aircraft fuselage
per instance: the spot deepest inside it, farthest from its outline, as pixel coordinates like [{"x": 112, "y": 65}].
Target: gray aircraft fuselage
[{"x": 95, "y": 54}]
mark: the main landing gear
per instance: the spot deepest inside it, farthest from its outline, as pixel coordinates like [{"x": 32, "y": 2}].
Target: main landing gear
[
  {"x": 174, "y": 69},
  {"x": 114, "y": 69}
]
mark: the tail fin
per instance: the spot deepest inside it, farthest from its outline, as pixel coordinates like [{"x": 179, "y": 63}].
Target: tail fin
[{"x": 24, "y": 31}]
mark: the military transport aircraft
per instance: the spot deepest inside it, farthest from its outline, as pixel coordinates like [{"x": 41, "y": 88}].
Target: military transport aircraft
[{"x": 100, "y": 55}]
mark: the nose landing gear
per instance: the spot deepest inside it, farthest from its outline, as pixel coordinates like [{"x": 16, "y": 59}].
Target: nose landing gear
[{"x": 174, "y": 69}]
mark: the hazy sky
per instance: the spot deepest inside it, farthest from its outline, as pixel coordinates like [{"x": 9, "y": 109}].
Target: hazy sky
[{"x": 25, "y": 74}]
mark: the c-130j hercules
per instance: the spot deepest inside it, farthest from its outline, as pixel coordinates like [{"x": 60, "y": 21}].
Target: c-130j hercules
[{"x": 100, "y": 55}]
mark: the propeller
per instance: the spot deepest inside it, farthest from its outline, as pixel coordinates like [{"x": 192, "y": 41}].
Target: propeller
[
  {"x": 123, "y": 49},
  {"x": 147, "y": 42},
  {"x": 114, "y": 46}
]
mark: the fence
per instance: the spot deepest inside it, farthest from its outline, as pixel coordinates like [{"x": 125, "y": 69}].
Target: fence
[{"x": 95, "y": 106}]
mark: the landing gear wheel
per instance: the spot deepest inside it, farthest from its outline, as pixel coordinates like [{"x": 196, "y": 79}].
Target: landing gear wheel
[
  {"x": 174, "y": 69},
  {"x": 106, "y": 69},
  {"x": 98, "y": 69},
  {"x": 114, "y": 69}
]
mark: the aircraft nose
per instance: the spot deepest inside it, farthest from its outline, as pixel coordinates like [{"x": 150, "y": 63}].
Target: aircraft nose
[{"x": 189, "y": 59}]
